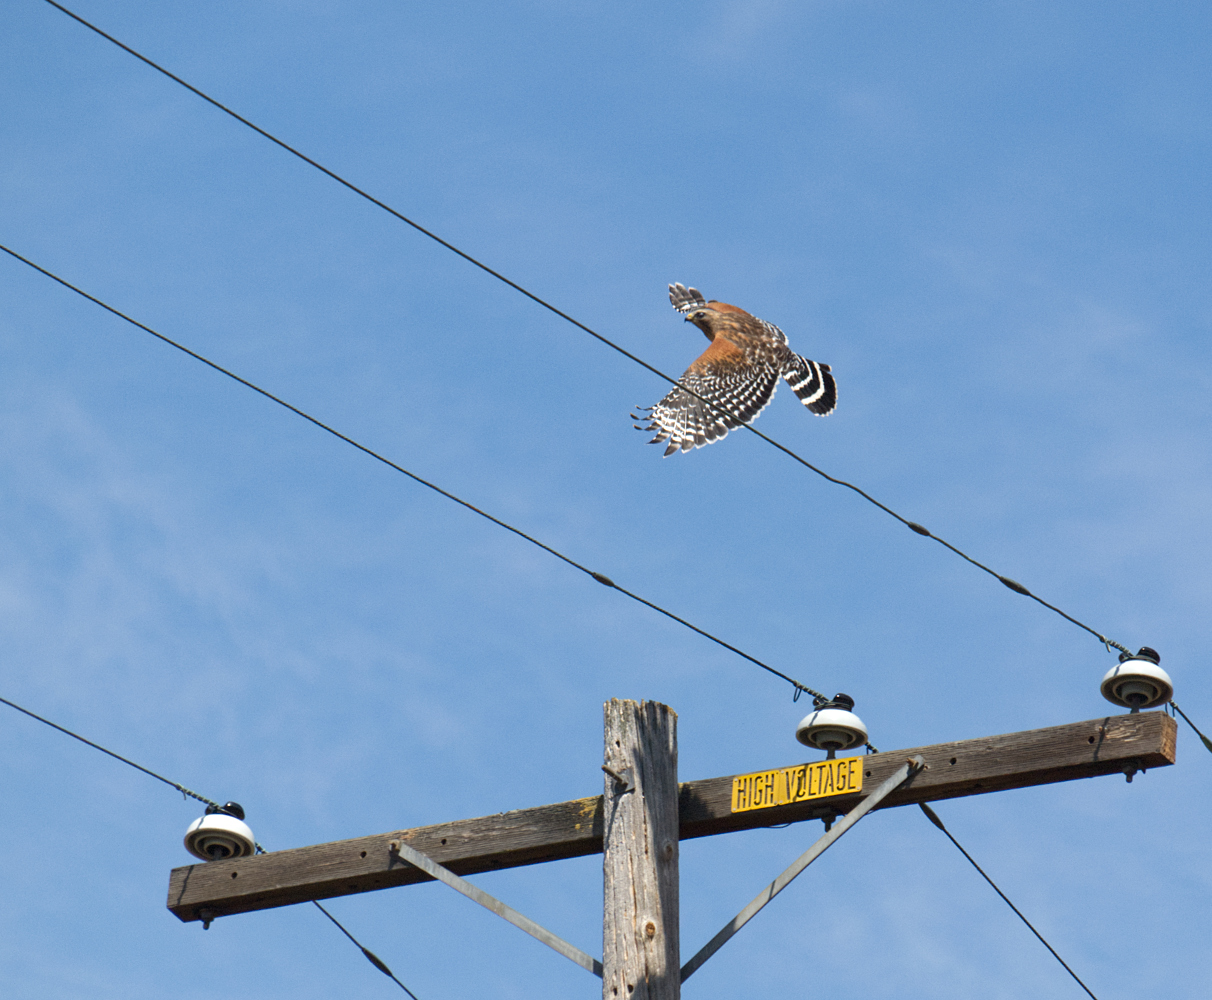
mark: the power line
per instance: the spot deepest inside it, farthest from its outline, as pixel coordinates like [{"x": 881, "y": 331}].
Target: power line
[
  {"x": 370, "y": 955},
  {"x": 599, "y": 577},
  {"x": 117, "y": 756},
  {"x": 1206, "y": 742},
  {"x": 1014, "y": 585},
  {"x": 933, "y": 817}
]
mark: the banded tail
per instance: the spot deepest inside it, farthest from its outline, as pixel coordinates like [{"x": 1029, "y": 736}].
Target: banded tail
[{"x": 813, "y": 383}]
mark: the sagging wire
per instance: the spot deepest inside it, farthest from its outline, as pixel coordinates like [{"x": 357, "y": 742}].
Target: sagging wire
[
  {"x": 117, "y": 756},
  {"x": 933, "y": 817},
  {"x": 1013, "y": 585},
  {"x": 1207, "y": 743},
  {"x": 817, "y": 697},
  {"x": 370, "y": 955}
]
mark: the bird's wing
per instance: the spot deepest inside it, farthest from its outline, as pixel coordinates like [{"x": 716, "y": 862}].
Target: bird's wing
[
  {"x": 773, "y": 332},
  {"x": 813, "y": 382},
  {"x": 727, "y": 389},
  {"x": 684, "y": 299}
]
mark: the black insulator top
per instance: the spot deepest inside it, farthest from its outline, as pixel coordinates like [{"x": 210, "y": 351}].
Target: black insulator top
[{"x": 228, "y": 808}]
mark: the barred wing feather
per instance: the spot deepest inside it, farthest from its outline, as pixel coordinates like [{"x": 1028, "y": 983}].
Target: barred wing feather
[{"x": 725, "y": 391}]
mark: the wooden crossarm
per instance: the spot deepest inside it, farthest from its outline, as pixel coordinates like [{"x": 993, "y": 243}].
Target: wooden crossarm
[{"x": 572, "y": 829}]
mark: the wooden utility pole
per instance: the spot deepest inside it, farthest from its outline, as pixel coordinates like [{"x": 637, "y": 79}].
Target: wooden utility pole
[{"x": 640, "y": 951}]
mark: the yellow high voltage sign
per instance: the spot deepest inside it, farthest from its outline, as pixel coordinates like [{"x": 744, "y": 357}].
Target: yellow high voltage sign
[{"x": 796, "y": 784}]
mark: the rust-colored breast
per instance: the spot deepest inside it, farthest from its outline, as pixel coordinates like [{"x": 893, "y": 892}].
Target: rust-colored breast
[{"x": 722, "y": 353}]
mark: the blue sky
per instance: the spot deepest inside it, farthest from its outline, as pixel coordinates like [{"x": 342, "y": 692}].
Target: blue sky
[{"x": 991, "y": 220}]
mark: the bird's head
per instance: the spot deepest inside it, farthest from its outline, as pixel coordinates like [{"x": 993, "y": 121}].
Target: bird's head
[{"x": 703, "y": 317}]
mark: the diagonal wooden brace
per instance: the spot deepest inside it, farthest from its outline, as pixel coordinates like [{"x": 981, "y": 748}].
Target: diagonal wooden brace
[
  {"x": 898, "y": 778},
  {"x": 430, "y": 867}
]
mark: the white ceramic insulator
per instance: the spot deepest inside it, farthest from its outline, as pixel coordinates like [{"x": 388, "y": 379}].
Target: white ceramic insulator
[
  {"x": 831, "y": 729},
  {"x": 1137, "y": 676},
  {"x": 218, "y": 830}
]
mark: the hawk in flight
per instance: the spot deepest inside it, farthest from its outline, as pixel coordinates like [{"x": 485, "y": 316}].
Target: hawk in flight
[{"x": 732, "y": 381}]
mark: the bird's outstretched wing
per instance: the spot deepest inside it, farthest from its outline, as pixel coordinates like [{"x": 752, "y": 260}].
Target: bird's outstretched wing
[
  {"x": 685, "y": 299},
  {"x": 727, "y": 390}
]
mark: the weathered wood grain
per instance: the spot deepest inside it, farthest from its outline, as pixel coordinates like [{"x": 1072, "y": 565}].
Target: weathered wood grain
[
  {"x": 640, "y": 950},
  {"x": 965, "y": 767},
  {"x": 572, "y": 829}
]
